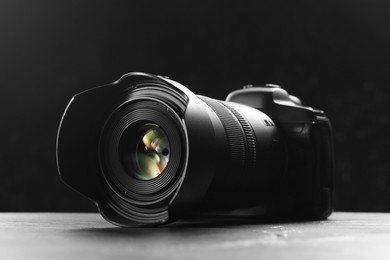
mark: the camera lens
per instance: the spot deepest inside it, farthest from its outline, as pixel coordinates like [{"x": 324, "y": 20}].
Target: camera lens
[
  {"x": 157, "y": 152},
  {"x": 145, "y": 153}
]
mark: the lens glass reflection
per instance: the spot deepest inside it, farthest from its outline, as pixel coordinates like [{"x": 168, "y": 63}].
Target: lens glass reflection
[{"x": 147, "y": 157}]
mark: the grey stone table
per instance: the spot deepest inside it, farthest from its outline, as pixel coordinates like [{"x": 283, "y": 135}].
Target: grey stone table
[{"x": 88, "y": 236}]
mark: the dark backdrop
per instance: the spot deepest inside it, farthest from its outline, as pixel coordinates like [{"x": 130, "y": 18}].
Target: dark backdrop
[{"x": 334, "y": 54}]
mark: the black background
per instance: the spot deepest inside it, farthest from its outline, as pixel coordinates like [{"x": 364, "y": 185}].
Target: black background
[{"x": 333, "y": 54}]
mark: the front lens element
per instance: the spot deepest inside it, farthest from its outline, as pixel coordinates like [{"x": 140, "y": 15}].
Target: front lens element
[{"x": 147, "y": 152}]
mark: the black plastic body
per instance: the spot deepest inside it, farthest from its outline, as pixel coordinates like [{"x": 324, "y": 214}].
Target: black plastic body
[
  {"x": 260, "y": 150},
  {"x": 306, "y": 188}
]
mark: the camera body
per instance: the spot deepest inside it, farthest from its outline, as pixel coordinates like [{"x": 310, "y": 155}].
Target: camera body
[{"x": 260, "y": 153}]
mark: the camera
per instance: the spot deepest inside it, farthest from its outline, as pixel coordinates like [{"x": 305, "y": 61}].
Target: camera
[{"x": 148, "y": 151}]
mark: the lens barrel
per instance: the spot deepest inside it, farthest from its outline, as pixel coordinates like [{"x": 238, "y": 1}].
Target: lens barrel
[{"x": 241, "y": 151}]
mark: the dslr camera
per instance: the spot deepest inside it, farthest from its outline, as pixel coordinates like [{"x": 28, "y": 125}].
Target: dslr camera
[{"x": 148, "y": 151}]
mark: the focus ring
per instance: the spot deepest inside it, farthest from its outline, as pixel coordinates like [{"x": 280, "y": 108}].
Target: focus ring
[
  {"x": 249, "y": 136},
  {"x": 242, "y": 147}
]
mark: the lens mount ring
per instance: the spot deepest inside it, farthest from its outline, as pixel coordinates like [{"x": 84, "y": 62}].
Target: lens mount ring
[{"x": 125, "y": 119}]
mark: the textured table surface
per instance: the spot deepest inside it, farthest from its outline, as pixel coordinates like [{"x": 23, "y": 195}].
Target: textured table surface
[{"x": 88, "y": 236}]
